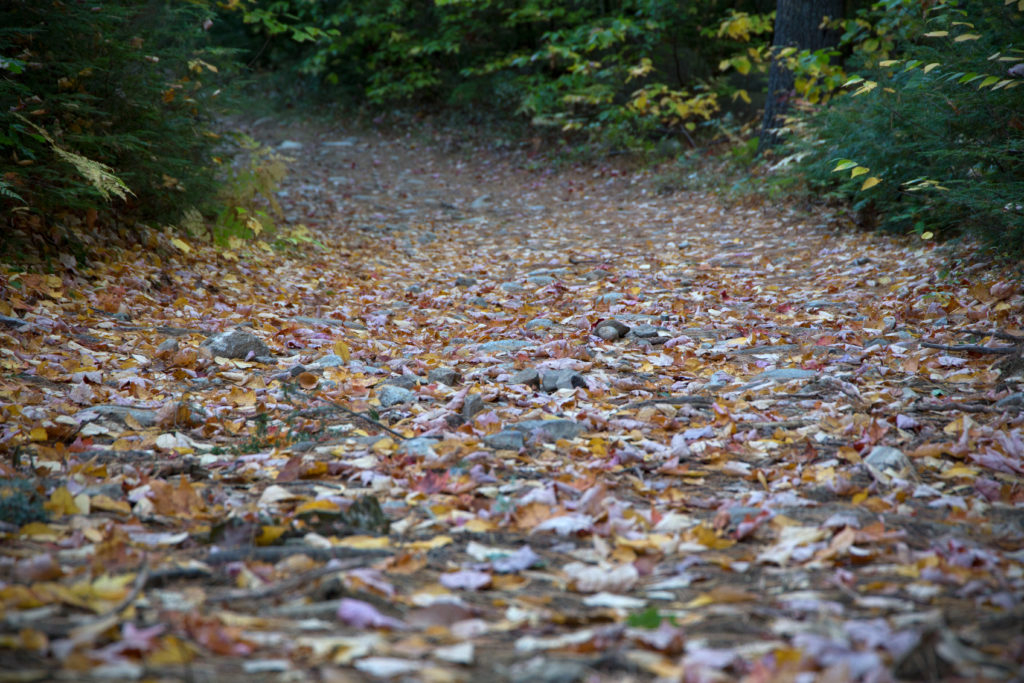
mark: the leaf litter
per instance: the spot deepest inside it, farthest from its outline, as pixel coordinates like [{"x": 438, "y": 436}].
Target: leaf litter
[{"x": 471, "y": 419}]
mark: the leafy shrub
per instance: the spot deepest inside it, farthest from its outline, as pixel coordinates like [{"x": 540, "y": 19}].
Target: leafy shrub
[
  {"x": 618, "y": 71},
  {"x": 931, "y": 138},
  {"x": 109, "y": 102},
  {"x": 21, "y": 502}
]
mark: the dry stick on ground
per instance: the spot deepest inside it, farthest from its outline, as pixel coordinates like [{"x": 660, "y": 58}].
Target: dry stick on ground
[
  {"x": 292, "y": 389},
  {"x": 955, "y": 405},
  {"x": 698, "y": 401},
  {"x": 288, "y": 584},
  {"x": 996, "y": 334},
  {"x": 974, "y": 348},
  {"x": 275, "y": 553}
]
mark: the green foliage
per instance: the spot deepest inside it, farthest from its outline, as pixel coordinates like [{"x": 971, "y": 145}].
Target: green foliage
[
  {"x": 246, "y": 198},
  {"x": 21, "y": 502},
  {"x": 105, "y": 105},
  {"x": 621, "y": 72},
  {"x": 930, "y": 137}
]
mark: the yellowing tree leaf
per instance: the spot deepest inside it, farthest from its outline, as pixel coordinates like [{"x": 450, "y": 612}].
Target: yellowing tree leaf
[
  {"x": 870, "y": 182},
  {"x": 859, "y": 170},
  {"x": 180, "y": 244}
]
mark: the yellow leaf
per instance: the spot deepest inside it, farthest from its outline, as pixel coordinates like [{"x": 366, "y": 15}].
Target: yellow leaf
[
  {"x": 859, "y": 170},
  {"x": 870, "y": 182},
  {"x": 177, "y": 242},
  {"x": 341, "y": 349},
  {"x": 931, "y": 66},
  {"x": 38, "y": 434},
  {"x": 61, "y": 502},
  {"x": 936, "y": 34},
  {"x": 965, "y": 37},
  {"x": 365, "y": 542},
  {"x": 927, "y": 235},
  {"x": 436, "y": 542},
  {"x": 888, "y": 62},
  {"x": 253, "y": 224},
  {"x": 269, "y": 534}
]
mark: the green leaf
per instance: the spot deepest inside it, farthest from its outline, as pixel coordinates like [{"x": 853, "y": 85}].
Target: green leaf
[{"x": 649, "y": 618}]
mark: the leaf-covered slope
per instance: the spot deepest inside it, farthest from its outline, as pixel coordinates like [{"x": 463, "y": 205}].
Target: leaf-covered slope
[{"x": 500, "y": 424}]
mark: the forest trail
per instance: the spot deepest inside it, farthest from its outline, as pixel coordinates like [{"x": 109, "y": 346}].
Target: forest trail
[{"x": 603, "y": 434}]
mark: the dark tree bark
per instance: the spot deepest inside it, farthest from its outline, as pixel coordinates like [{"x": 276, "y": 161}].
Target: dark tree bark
[{"x": 797, "y": 24}]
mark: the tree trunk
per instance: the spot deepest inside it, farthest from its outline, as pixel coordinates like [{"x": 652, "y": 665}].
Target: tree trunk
[{"x": 797, "y": 24}]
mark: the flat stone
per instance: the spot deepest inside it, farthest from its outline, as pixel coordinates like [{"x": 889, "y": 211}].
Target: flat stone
[
  {"x": 236, "y": 343},
  {"x": 562, "y": 379},
  {"x": 12, "y": 322},
  {"x": 887, "y": 457},
  {"x": 549, "y": 429},
  {"x": 443, "y": 376},
  {"x": 528, "y": 376},
  {"x": 307, "y": 320},
  {"x": 144, "y": 416},
  {"x": 463, "y": 281},
  {"x": 594, "y": 275},
  {"x": 404, "y": 381},
  {"x": 541, "y": 280},
  {"x": 505, "y": 440},
  {"x": 329, "y": 361},
  {"x": 290, "y": 144},
  {"x": 610, "y": 298},
  {"x": 471, "y": 405},
  {"x": 781, "y": 375},
  {"x": 1011, "y": 400},
  {"x": 540, "y": 323},
  {"x": 649, "y": 332},
  {"x": 419, "y": 445},
  {"x": 512, "y": 287},
  {"x": 612, "y": 329},
  {"x": 768, "y": 349},
  {"x": 499, "y": 345},
  {"x": 390, "y": 395}
]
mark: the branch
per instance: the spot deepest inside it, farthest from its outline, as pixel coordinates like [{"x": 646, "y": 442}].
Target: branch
[
  {"x": 285, "y": 585},
  {"x": 973, "y": 348}
]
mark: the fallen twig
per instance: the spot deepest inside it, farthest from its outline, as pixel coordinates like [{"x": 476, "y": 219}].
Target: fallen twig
[
  {"x": 699, "y": 401},
  {"x": 974, "y": 348},
  {"x": 780, "y": 424},
  {"x": 275, "y": 553},
  {"x": 995, "y": 334},
  {"x": 292, "y": 388},
  {"x": 955, "y": 405},
  {"x": 285, "y": 585}
]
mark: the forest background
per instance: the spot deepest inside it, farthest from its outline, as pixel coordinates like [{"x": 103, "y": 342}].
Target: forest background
[{"x": 905, "y": 112}]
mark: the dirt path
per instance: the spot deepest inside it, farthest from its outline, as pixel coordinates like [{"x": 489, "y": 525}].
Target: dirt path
[{"x": 602, "y": 435}]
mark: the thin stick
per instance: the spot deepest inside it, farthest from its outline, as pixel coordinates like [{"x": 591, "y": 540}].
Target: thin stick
[
  {"x": 319, "y": 394},
  {"x": 974, "y": 348},
  {"x": 995, "y": 334},
  {"x": 285, "y": 585}
]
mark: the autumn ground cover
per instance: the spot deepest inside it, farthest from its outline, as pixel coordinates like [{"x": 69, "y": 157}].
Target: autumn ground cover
[{"x": 481, "y": 419}]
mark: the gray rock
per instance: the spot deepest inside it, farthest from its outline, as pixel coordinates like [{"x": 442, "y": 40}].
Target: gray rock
[
  {"x": 419, "y": 445},
  {"x": 289, "y": 144},
  {"x": 13, "y": 322},
  {"x": 296, "y": 370},
  {"x": 307, "y": 320},
  {"x": 505, "y": 440},
  {"x": 390, "y": 395},
  {"x": 463, "y": 281},
  {"x": 610, "y": 298},
  {"x": 443, "y": 376},
  {"x": 528, "y": 376},
  {"x": 542, "y": 669},
  {"x": 1011, "y": 400},
  {"x": 477, "y": 301},
  {"x": 499, "y": 345},
  {"x": 549, "y": 429},
  {"x": 649, "y": 332},
  {"x": 427, "y": 238},
  {"x": 480, "y": 202},
  {"x": 167, "y": 346},
  {"x": 612, "y": 329},
  {"x": 471, "y": 405},
  {"x": 512, "y": 287},
  {"x": 594, "y": 275},
  {"x": 329, "y": 361},
  {"x": 539, "y": 323},
  {"x": 404, "y": 381},
  {"x": 780, "y": 375},
  {"x": 769, "y": 349},
  {"x": 883, "y": 462},
  {"x": 413, "y": 289},
  {"x": 541, "y": 280},
  {"x": 562, "y": 379},
  {"x": 236, "y": 343}
]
